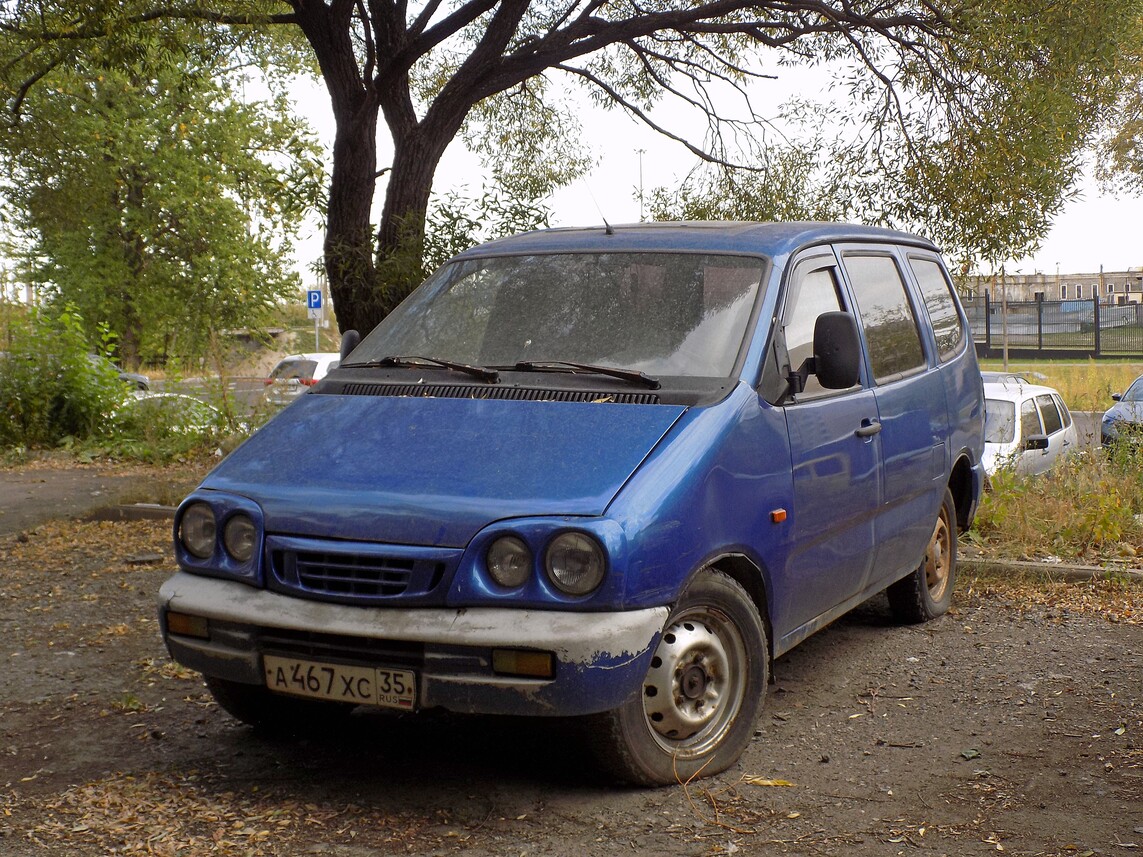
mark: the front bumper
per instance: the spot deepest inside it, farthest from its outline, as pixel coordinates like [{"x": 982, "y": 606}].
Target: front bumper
[{"x": 600, "y": 658}]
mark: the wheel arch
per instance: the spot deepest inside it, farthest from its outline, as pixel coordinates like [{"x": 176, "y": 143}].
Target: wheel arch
[
  {"x": 965, "y": 492},
  {"x": 747, "y": 574}
]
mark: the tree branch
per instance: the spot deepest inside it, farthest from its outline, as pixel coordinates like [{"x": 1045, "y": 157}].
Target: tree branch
[{"x": 619, "y": 99}]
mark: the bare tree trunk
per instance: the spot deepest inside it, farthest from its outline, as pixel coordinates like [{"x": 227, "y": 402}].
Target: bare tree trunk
[{"x": 348, "y": 238}]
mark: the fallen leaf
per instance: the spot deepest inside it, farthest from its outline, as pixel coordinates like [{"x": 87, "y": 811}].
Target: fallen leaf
[{"x": 765, "y": 781}]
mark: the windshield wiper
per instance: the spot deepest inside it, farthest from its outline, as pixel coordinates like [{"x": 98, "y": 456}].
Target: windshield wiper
[
  {"x": 480, "y": 372},
  {"x": 631, "y": 375}
]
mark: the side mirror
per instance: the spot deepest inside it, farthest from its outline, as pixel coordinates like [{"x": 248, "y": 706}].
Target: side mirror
[
  {"x": 1036, "y": 441},
  {"x": 837, "y": 350},
  {"x": 1115, "y": 397},
  {"x": 349, "y": 341}
]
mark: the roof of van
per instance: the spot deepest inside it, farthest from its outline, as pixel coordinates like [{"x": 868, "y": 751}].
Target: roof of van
[{"x": 770, "y": 239}]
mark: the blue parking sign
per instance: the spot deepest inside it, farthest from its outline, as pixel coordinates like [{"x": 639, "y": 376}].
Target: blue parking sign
[{"x": 313, "y": 299}]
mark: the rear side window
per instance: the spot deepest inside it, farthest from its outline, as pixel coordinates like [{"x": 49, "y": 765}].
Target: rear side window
[
  {"x": 939, "y": 301},
  {"x": 1050, "y": 414},
  {"x": 886, "y": 315},
  {"x": 1064, "y": 412}
]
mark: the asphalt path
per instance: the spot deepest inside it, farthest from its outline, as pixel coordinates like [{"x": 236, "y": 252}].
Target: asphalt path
[{"x": 29, "y": 497}]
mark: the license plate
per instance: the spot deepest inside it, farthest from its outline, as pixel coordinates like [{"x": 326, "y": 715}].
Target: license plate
[{"x": 382, "y": 686}]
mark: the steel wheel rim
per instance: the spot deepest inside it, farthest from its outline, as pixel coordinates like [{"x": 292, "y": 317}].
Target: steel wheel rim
[
  {"x": 938, "y": 558},
  {"x": 696, "y": 683}
]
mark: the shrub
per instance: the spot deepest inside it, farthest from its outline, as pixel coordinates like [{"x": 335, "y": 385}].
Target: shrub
[
  {"x": 52, "y": 390},
  {"x": 1089, "y": 506}
]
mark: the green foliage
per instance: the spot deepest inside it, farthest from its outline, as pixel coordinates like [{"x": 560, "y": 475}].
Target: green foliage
[
  {"x": 51, "y": 390},
  {"x": 456, "y": 222},
  {"x": 151, "y": 199},
  {"x": 166, "y": 428},
  {"x": 789, "y": 182},
  {"x": 980, "y": 166},
  {"x": 1088, "y": 508},
  {"x": 965, "y": 121}
]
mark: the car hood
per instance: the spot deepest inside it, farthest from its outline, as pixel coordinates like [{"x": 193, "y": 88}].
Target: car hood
[
  {"x": 434, "y": 471},
  {"x": 1130, "y": 411}
]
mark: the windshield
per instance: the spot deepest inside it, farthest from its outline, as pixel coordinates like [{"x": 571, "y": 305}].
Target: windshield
[
  {"x": 999, "y": 421},
  {"x": 660, "y": 313},
  {"x": 1134, "y": 392}
]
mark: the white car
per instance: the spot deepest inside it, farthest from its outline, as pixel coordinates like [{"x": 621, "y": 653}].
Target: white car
[
  {"x": 1027, "y": 427},
  {"x": 295, "y": 374}
]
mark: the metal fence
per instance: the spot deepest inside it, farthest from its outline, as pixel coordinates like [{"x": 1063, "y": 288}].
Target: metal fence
[{"x": 1056, "y": 329}]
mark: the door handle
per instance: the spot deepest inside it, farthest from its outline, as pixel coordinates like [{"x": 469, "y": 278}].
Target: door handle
[{"x": 868, "y": 428}]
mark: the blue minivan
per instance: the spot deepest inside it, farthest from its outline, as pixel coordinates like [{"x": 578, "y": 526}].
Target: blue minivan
[{"x": 611, "y": 473}]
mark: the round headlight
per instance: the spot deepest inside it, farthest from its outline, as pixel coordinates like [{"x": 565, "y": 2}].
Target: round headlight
[
  {"x": 509, "y": 562},
  {"x": 197, "y": 530},
  {"x": 239, "y": 537},
  {"x": 575, "y": 563}
]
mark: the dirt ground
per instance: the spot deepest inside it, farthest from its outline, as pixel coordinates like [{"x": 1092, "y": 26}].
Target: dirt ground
[{"x": 1014, "y": 724}]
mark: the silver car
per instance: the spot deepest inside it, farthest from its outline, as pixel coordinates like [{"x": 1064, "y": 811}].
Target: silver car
[
  {"x": 295, "y": 374},
  {"x": 1027, "y": 427}
]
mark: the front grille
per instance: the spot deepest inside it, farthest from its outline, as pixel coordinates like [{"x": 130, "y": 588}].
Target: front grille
[
  {"x": 337, "y": 574},
  {"x": 488, "y": 391},
  {"x": 356, "y": 573}
]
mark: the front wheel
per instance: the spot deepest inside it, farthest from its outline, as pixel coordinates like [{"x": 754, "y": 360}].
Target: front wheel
[
  {"x": 927, "y": 592},
  {"x": 695, "y": 713}
]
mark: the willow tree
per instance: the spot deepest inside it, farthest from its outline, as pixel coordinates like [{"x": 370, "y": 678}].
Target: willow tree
[{"x": 424, "y": 70}]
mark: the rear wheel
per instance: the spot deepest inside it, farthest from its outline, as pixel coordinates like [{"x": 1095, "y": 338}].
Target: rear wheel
[
  {"x": 272, "y": 712},
  {"x": 927, "y": 592},
  {"x": 702, "y": 693}
]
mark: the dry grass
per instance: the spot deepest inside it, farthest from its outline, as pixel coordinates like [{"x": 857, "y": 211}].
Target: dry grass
[
  {"x": 1086, "y": 385},
  {"x": 1089, "y": 509}
]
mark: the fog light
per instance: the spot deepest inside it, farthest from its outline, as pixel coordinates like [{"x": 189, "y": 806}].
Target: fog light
[
  {"x": 525, "y": 663},
  {"x": 188, "y": 626}
]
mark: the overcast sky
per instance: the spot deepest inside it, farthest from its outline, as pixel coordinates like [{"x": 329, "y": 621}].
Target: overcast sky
[{"x": 1093, "y": 230}]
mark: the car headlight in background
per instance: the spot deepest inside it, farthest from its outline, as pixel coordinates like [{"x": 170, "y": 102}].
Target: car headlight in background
[
  {"x": 239, "y": 537},
  {"x": 509, "y": 562},
  {"x": 574, "y": 563},
  {"x": 197, "y": 530}
]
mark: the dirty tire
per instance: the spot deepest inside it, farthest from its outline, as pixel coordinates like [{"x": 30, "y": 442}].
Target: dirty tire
[
  {"x": 696, "y": 710},
  {"x": 927, "y": 592},
  {"x": 273, "y": 713}
]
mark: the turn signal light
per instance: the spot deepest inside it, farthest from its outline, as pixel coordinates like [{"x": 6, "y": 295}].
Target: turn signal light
[
  {"x": 188, "y": 626},
  {"x": 523, "y": 663}
]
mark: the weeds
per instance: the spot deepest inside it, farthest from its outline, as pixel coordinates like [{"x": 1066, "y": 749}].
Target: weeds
[
  {"x": 57, "y": 392},
  {"x": 53, "y": 388},
  {"x": 1085, "y": 385},
  {"x": 1089, "y": 508}
]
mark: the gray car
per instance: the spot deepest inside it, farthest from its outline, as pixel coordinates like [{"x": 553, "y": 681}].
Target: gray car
[{"x": 1123, "y": 421}]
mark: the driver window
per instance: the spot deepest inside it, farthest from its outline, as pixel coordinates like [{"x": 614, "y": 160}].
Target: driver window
[{"x": 810, "y": 296}]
